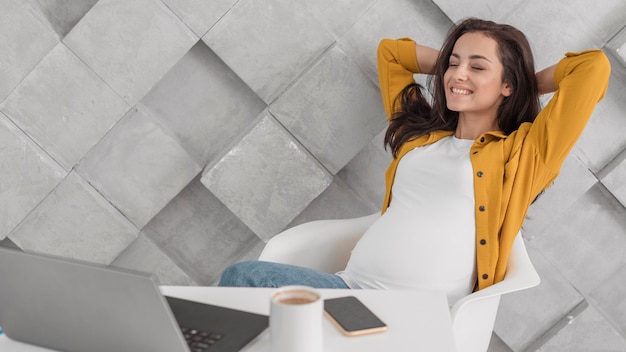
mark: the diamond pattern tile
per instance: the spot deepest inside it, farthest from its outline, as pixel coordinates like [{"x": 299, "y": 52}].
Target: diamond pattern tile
[
  {"x": 334, "y": 110},
  {"x": 28, "y": 175},
  {"x": 75, "y": 221},
  {"x": 201, "y": 234},
  {"x": 268, "y": 43},
  {"x": 67, "y": 131},
  {"x": 138, "y": 167},
  {"x": 144, "y": 255},
  {"x": 130, "y": 44},
  {"x": 203, "y": 103},
  {"x": 25, "y": 38},
  {"x": 266, "y": 179},
  {"x": 200, "y": 16}
]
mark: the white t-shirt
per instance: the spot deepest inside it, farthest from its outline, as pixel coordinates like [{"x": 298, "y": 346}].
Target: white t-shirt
[{"x": 426, "y": 238}]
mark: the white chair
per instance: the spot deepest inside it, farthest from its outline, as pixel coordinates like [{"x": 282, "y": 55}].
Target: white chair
[{"x": 326, "y": 245}]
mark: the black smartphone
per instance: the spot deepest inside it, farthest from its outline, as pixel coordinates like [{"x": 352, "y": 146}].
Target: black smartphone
[{"x": 352, "y": 317}]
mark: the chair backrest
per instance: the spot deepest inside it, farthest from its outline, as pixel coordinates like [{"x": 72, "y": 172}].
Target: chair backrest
[
  {"x": 473, "y": 316},
  {"x": 323, "y": 245}
]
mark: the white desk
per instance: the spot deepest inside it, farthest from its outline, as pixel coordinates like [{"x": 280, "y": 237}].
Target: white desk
[{"x": 417, "y": 320}]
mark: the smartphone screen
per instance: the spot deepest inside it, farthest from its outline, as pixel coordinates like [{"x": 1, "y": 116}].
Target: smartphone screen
[{"x": 352, "y": 317}]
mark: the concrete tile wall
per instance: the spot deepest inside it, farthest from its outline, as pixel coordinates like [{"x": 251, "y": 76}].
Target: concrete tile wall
[{"x": 177, "y": 136}]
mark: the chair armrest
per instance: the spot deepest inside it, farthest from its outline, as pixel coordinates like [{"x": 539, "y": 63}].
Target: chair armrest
[
  {"x": 473, "y": 316},
  {"x": 322, "y": 245}
]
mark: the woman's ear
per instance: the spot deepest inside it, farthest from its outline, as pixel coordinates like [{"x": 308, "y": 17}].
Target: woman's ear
[{"x": 507, "y": 90}]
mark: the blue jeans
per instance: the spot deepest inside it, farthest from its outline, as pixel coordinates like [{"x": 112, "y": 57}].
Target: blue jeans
[{"x": 267, "y": 274}]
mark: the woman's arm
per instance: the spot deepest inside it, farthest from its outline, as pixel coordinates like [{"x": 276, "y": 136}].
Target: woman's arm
[
  {"x": 545, "y": 80},
  {"x": 580, "y": 81},
  {"x": 426, "y": 57},
  {"x": 398, "y": 60}
]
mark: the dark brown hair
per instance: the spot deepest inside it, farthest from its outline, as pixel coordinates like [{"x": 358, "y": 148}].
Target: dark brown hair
[{"x": 415, "y": 117}]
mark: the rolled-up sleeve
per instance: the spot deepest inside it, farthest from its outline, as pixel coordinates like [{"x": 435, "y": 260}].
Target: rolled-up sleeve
[
  {"x": 582, "y": 80},
  {"x": 397, "y": 62}
]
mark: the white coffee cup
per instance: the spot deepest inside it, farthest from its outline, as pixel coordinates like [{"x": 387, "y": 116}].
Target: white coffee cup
[{"x": 296, "y": 320}]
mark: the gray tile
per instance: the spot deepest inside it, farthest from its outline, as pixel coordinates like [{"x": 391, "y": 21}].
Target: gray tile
[
  {"x": 63, "y": 14},
  {"x": 145, "y": 256},
  {"x": 200, "y": 234},
  {"x": 550, "y": 39},
  {"x": 333, "y": 110},
  {"x": 610, "y": 299},
  {"x": 74, "y": 221},
  {"x": 588, "y": 331},
  {"x": 586, "y": 243},
  {"x": 130, "y": 44},
  {"x": 267, "y": 178},
  {"x": 603, "y": 138},
  {"x": 604, "y": 21},
  {"x": 199, "y": 15},
  {"x": 365, "y": 173},
  {"x": 574, "y": 180},
  {"x": 524, "y": 316},
  {"x": 338, "y": 15},
  {"x": 338, "y": 201},
  {"x": 268, "y": 43},
  {"x": 497, "y": 345},
  {"x": 27, "y": 173},
  {"x": 614, "y": 176},
  {"x": 204, "y": 103},
  {"x": 617, "y": 46},
  {"x": 420, "y": 20},
  {"x": 25, "y": 38},
  {"x": 7, "y": 243},
  {"x": 493, "y": 10},
  {"x": 64, "y": 106},
  {"x": 138, "y": 167}
]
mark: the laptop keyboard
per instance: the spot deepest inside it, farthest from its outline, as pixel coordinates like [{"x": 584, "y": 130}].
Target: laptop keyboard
[{"x": 200, "y": 341}]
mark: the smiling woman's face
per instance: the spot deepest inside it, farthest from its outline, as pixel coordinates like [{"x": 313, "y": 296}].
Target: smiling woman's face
[{"x": 473, "y": 80}]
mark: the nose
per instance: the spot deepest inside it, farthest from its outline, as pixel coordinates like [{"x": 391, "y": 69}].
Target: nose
[{"x": 460, "y": 73}]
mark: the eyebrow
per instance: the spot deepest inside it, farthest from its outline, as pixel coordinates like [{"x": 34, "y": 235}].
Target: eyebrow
[{"x": 472, "y": 57}]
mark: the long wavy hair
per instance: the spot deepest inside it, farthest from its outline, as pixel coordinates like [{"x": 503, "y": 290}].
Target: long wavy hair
[{"x": 416, "y": 117}]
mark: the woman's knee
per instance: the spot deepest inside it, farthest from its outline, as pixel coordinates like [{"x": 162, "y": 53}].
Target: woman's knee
[{"x": 243, "y": 274}]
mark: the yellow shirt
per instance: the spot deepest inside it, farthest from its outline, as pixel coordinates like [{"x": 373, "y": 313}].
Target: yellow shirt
[{"x": 509, "y": 171}]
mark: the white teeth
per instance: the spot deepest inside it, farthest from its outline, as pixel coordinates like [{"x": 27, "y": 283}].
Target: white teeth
[{"x": 461, "y": 91}]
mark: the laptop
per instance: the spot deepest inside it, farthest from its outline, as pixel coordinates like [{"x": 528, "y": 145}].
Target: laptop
[{"x": 75, "y": 306}]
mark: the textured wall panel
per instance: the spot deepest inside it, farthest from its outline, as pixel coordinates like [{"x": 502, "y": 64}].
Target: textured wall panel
[
  {"x": 366, "y": 172},
  {"x": 63, "y": 14},
  {"x": 69, "y": 129},
  {"x": 74, "y": 221},
  {"x": 334, "y": 110},
  {"x": 266, "y": 179},
  {"x": 586, "y": 242},
  {"x": 268, "y": 43},
  {"x": 610, "y": 298},
  {"x": 575, "y": 180},
  {"x": 338, "y": 15},
  {"x": 540, "y": 308},
  {"x": 145, "y": 256},
  {"x": 204, "y": 103},
  {"x": 420, "y": 20},
  {"x": 130, "y": 44},
  {"x": 25, "y": 38},
  {"x": 27, "y": 175},
  {"x": 138, "y": 167},
  {"x": 201, "y": 234},
  {"x": 200, "y": 15},
  {"x": 586, "y": 332},
  {"x": 615, "y": 179}
]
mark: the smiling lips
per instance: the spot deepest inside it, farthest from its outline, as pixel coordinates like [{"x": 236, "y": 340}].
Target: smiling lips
[{"x": 460, "y": 91}]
